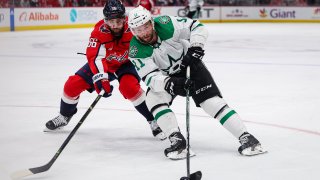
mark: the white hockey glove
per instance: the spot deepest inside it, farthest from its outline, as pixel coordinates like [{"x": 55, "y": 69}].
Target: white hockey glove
[{"x": 100, "y": 81}]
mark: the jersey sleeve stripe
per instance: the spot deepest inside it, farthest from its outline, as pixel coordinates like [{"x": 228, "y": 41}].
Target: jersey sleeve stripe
[
  {"x": 197, "y": 26},
  {"x": 144, "y": 78}
]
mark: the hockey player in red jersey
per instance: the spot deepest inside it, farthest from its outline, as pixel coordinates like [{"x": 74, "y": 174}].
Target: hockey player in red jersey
[{"x": 107, "y": 54}]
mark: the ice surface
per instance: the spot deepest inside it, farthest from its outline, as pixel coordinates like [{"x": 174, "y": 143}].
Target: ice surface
[{"x": 269, "y": 73}]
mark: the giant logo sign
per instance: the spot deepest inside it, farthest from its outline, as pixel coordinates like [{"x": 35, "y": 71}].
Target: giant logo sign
[
  {"x": 204, "y": 13},
  {"x": 285, "y": 14},
  {"x": 278, "y": 14}
]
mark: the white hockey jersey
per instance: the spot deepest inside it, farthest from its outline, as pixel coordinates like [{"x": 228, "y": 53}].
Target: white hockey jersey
[{"x": 156, "y": 62}]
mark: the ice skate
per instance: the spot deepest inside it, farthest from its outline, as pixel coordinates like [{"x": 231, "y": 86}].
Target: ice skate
[
  {"x": 177, "y": 150},
  {"x": 57, "y": 123},
  {"x": 250, "y": 146},
  {"x": 156, "y": 131}
]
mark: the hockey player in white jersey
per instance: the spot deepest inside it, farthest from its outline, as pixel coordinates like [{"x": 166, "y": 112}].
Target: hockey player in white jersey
[
  {"x": 194, "y": 8},
  {"x": 161, "y": 49}
]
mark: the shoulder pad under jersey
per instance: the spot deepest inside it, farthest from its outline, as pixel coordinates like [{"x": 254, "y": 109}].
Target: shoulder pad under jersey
[{"x": 139, "y": 50}]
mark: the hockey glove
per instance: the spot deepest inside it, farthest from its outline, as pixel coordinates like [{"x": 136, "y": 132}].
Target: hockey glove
[
  {"x": 179, "y": 85},
  {"x": 101, "y": 81},
  {"x": 193, "y": 54}
]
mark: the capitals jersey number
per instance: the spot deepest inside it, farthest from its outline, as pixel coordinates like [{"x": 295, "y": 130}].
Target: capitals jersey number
[{"x": 92, "y": 42}]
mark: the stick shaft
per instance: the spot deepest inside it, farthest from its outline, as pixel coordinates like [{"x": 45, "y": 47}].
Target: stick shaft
[
  {"x": 188, "y": 124},
  {"x": 40, "y": 169}
]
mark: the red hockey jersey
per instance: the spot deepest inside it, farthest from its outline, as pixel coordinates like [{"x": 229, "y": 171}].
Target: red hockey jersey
[{"x": 113, "y": 51}]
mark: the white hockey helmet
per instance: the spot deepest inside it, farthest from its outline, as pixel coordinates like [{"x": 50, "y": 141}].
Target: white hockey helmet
[{"x": 138, "y": 17}]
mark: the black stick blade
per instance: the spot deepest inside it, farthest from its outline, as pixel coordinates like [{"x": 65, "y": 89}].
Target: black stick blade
[{"x": 194, "y": 176}]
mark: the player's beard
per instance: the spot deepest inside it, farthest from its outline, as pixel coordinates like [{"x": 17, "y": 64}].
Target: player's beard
[
  {"x": 117, "y": 32},
  {"x": 149, "y": 39}
]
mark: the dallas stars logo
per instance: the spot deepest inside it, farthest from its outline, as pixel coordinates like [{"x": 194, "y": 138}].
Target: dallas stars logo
[
  {"x": 164, "y": 19},
  {"x": 133, "y": 51},
  {"x": 174, "y": 66}
]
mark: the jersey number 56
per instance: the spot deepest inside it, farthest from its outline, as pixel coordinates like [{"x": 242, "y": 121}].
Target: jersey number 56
[{"x": 92, "y": 42}]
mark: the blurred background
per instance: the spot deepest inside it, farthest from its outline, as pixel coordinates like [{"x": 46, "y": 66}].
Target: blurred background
[{"x": 97, "y": 3}]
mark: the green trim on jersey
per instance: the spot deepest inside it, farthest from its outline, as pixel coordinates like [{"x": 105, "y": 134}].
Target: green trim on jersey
[
  {"x": 164, "y": 27},
  {"x": 149, "y": 80},
  {"x": 197, "y": 26},
  {"x": 139, "y": 50}
]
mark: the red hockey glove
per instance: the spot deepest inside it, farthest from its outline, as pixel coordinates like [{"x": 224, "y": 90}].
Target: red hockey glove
[{"x": 101, "y": 81}]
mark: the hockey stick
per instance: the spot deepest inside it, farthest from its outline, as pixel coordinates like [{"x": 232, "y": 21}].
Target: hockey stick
[
  {"x": 80, "y": 53},
  {"x": 197, "y": 175},
  {"x": 26, "y": 172}
]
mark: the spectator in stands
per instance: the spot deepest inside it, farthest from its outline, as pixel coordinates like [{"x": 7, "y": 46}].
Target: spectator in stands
[
  {"x": 128, "y": 3},
  {"x": 161, "y": 2},
  {"x": 16, "y": 3},
  {"x": 53, "y": 3},
  {"x": 172, "y": 2},
  {"x": 263, "y": 2},
  {"x": 34, "y": 3},
  {"x": 81, "y": 3},
  {"x": 311, "y": 2},
  {"x": 288, "y": 3},
  {"x": 100, "y": 3},
  {"x": 148, "y": 4},
  {"x": 4, "y": 4},
  {"x": 194, "y": 8},
  {"x": 70, "y": 3}
]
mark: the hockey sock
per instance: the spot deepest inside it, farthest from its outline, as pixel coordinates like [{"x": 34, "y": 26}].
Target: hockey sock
[
  {"x": 217, "y": 108},
  {"x": 144, "y": 111},
  {"x": 230, "y": 120},
  {"x": 166, "y": 119},
  {"x": 68, "y": 106},
  {"x": 140, "y": 104}
]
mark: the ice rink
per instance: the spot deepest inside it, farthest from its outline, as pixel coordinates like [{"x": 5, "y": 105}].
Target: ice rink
[{"x": 269, "y": 73}]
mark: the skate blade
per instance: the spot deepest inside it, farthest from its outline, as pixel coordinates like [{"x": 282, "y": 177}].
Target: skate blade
[
  {"x": 179, "y": 156},
  {"x": 161, "y": 136},
  {"x": 58, "y": 130},
  {"x": 252, "y": 152}
]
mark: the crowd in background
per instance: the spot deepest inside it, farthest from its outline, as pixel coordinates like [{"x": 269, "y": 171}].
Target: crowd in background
[{"x": 99, "y": 3}]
